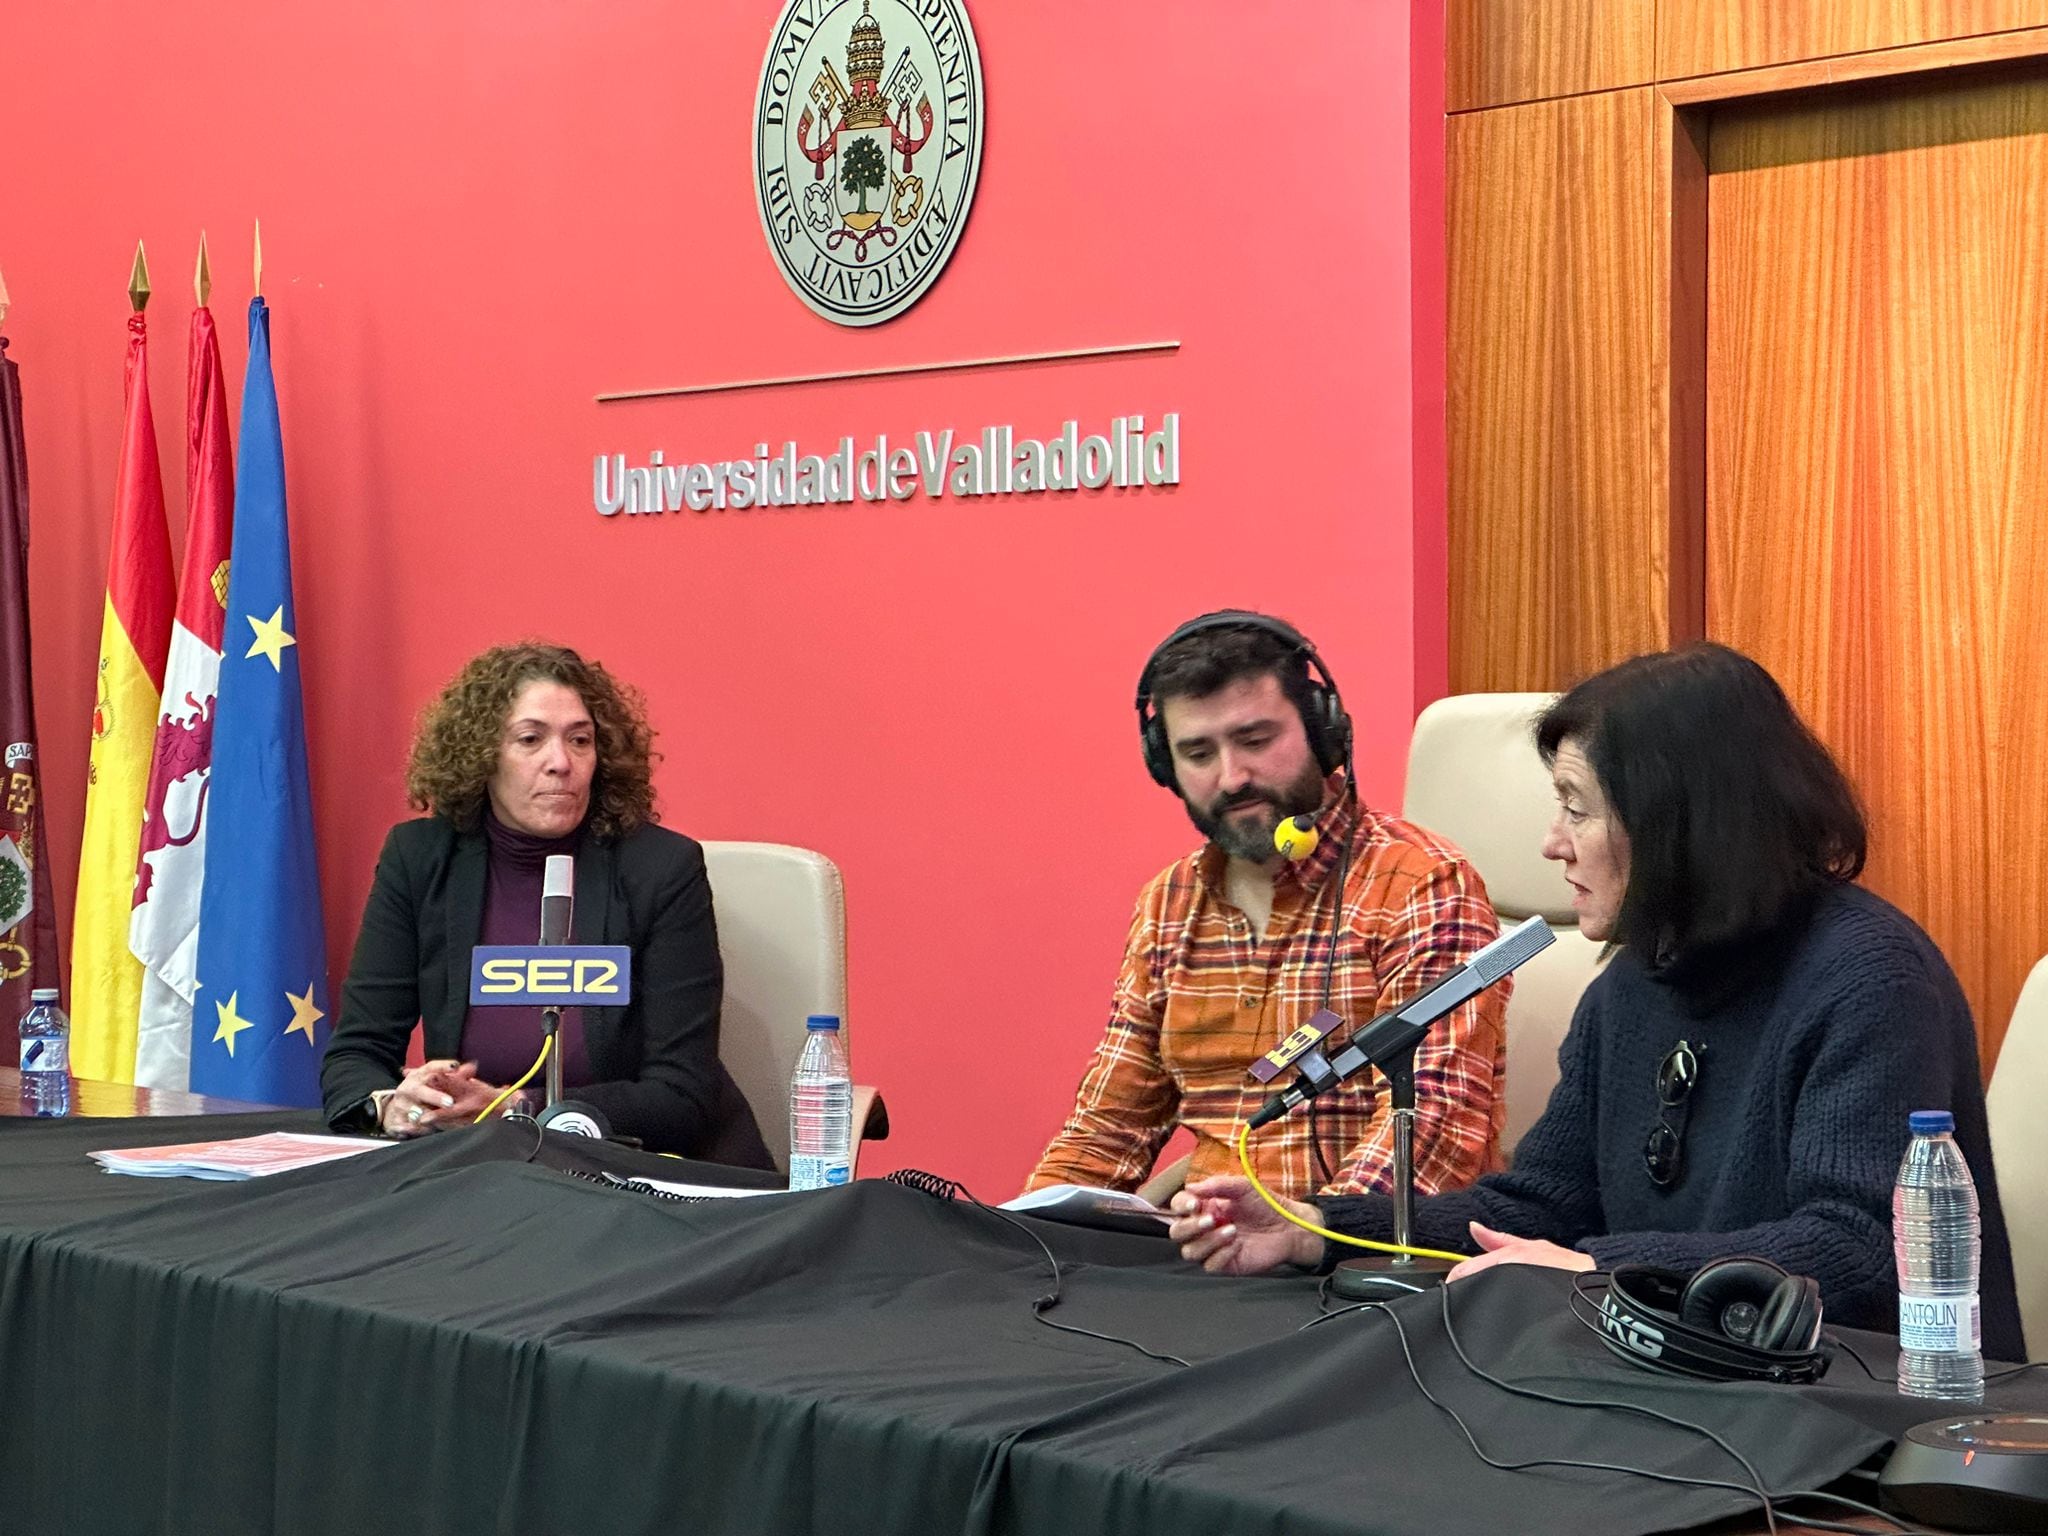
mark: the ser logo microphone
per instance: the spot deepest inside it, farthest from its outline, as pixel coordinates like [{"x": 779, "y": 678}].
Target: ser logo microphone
[{"x": 551, "y": 975}]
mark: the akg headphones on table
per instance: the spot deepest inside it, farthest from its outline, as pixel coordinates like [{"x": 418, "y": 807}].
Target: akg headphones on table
[
  {"x": 1736, "y": 1319},
  {"x": 1322, "y": 711}
]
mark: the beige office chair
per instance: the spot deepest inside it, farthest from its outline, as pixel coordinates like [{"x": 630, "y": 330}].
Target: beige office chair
[
  {"x": 2019, "y": 1148},
  {"x": 782, "y": 934},
  {"x": 1474, "y": 777}
]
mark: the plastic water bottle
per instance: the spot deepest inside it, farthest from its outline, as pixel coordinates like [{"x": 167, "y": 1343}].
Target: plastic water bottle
[
  {"x": 821, "y": 1108},
  {"x": 1936, "y": 1244},
  {"x": 45, "y": 1056}
]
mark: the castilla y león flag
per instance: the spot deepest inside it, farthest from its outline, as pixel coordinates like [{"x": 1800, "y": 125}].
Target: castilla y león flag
[{"x": 163, "y": 931}]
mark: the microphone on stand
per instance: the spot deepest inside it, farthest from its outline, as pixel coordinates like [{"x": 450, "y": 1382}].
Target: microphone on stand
[
  {"x": 557, "y": 898},
  {"x": 1388, "y": 1043},
  {"x": 557, "y": 921}
]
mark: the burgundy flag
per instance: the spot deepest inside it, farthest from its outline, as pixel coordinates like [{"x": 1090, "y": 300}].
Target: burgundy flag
[{"x": 28, "y": 915}]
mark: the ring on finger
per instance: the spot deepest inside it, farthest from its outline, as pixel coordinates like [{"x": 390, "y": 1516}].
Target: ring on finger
[{"x": 414, "y": 1115}]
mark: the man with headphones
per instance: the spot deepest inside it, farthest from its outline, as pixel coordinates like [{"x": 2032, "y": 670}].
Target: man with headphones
[{"x": 1231, "y": 947}]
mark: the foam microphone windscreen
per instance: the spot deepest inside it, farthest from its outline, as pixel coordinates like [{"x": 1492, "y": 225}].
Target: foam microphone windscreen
[
  {"x": 557, "y": 898},
  {"x": 1296, "y": 837}
]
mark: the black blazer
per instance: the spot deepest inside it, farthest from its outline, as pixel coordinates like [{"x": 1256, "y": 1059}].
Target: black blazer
[{"x": 654, "y": 1063}]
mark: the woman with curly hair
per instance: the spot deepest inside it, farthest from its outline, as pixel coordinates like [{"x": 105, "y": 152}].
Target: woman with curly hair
[{"x": 532, "y": 751}]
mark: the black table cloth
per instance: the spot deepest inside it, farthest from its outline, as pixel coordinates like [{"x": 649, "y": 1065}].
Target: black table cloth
[{"x": 444, "y": 1336}]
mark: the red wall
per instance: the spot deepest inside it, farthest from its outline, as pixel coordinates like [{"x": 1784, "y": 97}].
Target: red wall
[{"x": 477, "y": 217}]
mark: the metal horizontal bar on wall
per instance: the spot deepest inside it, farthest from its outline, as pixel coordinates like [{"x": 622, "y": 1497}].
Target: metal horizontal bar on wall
[{"x": 1072, "y": 354}]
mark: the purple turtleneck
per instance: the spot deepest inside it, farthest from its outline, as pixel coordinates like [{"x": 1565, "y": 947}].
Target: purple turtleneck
[{"x": 503, "y": 1041}]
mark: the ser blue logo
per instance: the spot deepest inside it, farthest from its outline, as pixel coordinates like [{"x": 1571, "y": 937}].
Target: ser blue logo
[{"x": 550, "y": 976}]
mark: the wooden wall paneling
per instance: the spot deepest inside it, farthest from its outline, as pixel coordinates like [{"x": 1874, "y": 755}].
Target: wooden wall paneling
[
  {"x": 1498, "y": 52},
  {"x": 1679, "y": 443},
  {"x": 1557, "y": 513},
  {"x": 2011, "y": 282},
  {"x": 1845, "y": 69},
  {"x": 1877, "y": 404},
  {"x": 1699, "y": 37}
]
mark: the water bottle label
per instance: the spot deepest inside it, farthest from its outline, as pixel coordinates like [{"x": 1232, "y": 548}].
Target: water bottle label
[
  {"x": 1940, "y": 1325},
  {"x": 46, "y": 1053},
  {"x": 809, "y": 1170}
]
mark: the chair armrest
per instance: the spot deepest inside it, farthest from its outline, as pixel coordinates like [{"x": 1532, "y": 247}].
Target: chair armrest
[
  {"x": 1167, "y": 1182},
  {"x": 870, "y": 1122},
  {"x": 870, "y": 1114}
]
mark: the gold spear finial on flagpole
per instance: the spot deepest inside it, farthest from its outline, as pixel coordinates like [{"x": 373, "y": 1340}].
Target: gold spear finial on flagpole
[
  {"x": 3, "y": 300},
  {"x": 202, "y": 275},
  {"x": 259, "y": 259},
  {"x": 138, "y": 282}
]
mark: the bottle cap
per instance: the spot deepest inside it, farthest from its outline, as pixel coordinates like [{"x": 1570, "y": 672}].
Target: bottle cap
[
  {"x": 1931, "y": 1122},
  {"x": 43, "y": 995},
  {"x": 822, "y": 1021}
]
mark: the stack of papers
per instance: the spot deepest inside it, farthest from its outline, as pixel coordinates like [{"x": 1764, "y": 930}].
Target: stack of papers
[
  {"x": 243, "y": 1157},
  {"x": 1085, "y": 1206}
]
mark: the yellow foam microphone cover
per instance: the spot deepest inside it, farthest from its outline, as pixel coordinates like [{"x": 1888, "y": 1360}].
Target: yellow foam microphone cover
[{"x": 1296, "y": 837}]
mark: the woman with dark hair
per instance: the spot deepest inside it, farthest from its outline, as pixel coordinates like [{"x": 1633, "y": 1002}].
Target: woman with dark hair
[
  {"x": 1737, "y": 1079},
  {"x": 532, "y": 751}
]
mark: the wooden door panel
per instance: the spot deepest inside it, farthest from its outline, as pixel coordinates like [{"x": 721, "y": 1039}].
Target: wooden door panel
[{"x": 1877, "y": 496}]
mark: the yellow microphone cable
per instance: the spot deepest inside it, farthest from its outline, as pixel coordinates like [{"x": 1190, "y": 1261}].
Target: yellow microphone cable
[
  {"x": 546, "y": 1045},
  {"x": 1244, "y": 1156}
]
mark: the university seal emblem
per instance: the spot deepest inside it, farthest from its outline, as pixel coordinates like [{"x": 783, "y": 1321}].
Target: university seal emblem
[{"x": 867, "y": 145}]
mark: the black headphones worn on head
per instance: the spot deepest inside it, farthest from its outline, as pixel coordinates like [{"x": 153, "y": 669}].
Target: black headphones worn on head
[
  {"x": 1736, "y": 1319},
  {"x": 1322, "y": 711}
]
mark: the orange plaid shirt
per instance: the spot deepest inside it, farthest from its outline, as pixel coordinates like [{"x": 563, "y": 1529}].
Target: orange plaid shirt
[{"x": 1201, "y": 997}]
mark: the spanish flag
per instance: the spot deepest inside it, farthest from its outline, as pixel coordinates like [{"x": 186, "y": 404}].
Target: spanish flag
[{"x": 135, "y": 637}]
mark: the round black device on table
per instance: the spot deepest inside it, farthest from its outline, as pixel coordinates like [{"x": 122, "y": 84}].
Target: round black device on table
[{"x": 1973, "y": 1472}]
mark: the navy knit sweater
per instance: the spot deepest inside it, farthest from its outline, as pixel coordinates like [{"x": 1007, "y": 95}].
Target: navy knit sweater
[{"x": 1813, "y": 1049}]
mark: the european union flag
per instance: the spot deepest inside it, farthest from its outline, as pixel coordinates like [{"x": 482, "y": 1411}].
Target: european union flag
[{"x": 258, "y": 1026}]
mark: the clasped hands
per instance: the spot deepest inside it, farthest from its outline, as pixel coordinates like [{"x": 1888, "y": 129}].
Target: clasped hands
[
  {"x": 434, "y": 1096},
  {"x": 1223, "y": 1225}
]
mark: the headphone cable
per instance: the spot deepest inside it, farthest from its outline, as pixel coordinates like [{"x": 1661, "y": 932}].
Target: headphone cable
[
  {"x": 1315, "y": 1129},
  {"x": 941, "y": 1188},
  {"x": 1754, "y": 1489}
]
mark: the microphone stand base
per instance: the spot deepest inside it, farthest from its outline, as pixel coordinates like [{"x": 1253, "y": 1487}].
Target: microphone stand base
[
  {"x": 1383, "y": 1277},
  {"x": 576, "y": 1118}
]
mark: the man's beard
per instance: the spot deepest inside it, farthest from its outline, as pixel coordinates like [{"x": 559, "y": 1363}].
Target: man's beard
[{"x": 1251, "y": 837}]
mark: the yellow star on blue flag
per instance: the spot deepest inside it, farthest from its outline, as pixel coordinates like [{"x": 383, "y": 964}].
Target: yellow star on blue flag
[
  {"x": 304, "y": 1014},
  {"x": 271, "y": 638},
  {"x": 231, "y": 1022}
]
